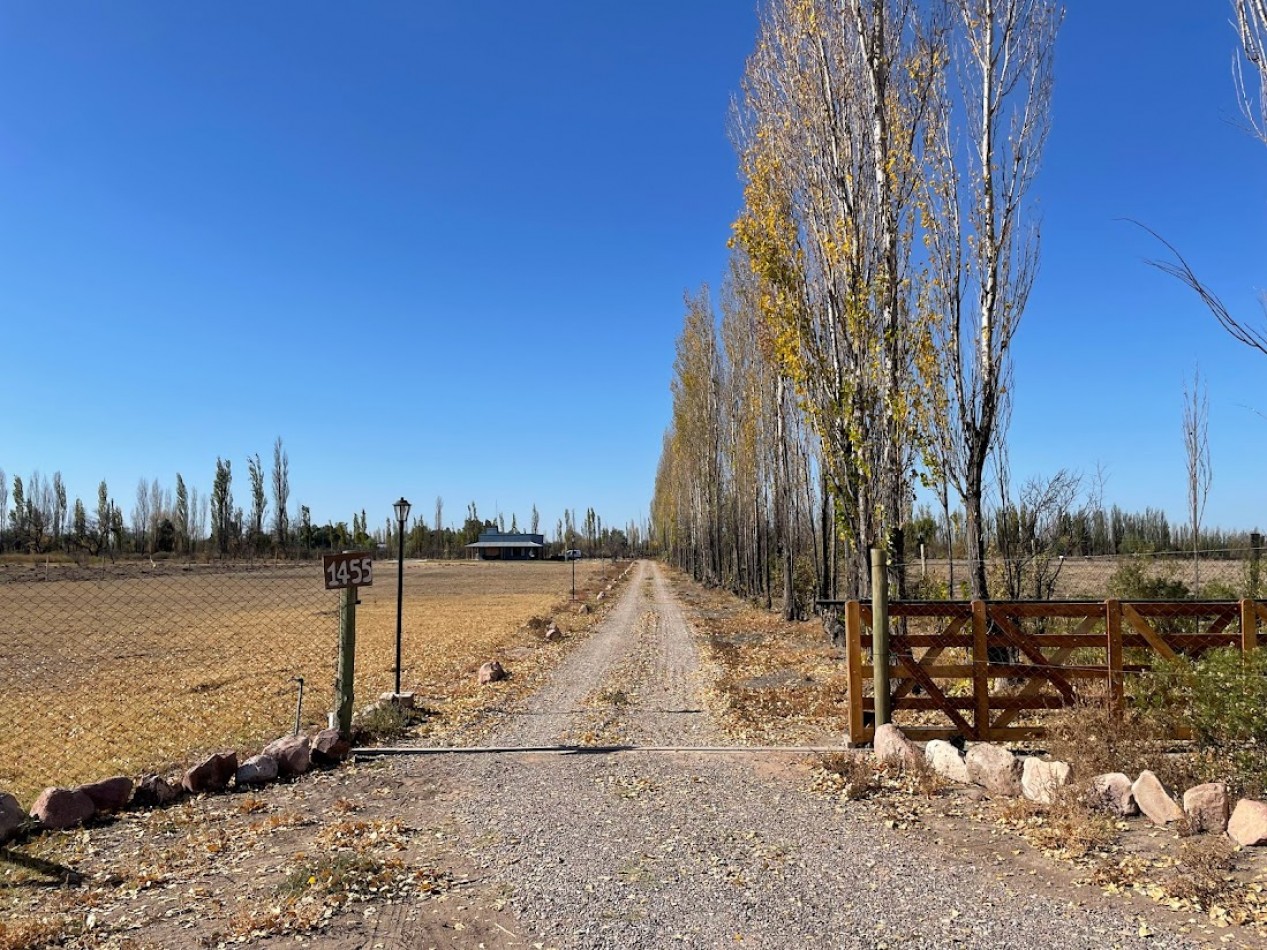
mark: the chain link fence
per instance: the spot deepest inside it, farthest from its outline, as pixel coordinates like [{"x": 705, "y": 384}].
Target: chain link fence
[
  {"x": 1223, "y": 574},
  {"x": 127, "y": 667}
]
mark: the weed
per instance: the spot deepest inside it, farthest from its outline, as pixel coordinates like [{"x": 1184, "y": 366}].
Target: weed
[
  {"x": 345, "y": 875},
  {"x": 614, "y": 697},
  {"x": 854, "y": 776},
  {"x": 380, "y": 723},
  {"x": 1203, "y": 873},
  {"x": 33, "y": 934},
  {"x": 251, "y": 804},
  {"x": 1093, "y": 739},
  {"x": 1068, "y": 826}
]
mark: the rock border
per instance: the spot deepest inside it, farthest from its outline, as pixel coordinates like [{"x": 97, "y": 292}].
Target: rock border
[
  {"x": 58, "y": 808},
  {"x": 1205, "y": 808}
]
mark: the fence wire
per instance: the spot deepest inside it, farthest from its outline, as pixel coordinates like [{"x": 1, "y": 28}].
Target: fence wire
[
  {"x": 1222, "y": 574},
  {"x": 126, "y": 668}
]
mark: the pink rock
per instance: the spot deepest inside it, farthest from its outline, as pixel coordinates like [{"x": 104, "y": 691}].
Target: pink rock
[
  {"x": 60, "y": 808},
  {"x": 1154, "y": 800},
  {"x": 893, "y": 748},
  {"x": 1207, "y": 807},
  {"x": 11, "y": 816},
  {"x": 1112, "y": 791},
  {"x": 329, "y": 747},
  {"x": 553, "y": 633},
  {"x": 293, "y": 754},
  {"x": 109, "y": 794},
  {"x": 257, "y": 770},
  {"x": 995, "y": 769},
  {"x": 212, "y": 774},
  {"x": 1248, "y": 826},
  {"x": 154, "y": 790},
  {"x": 491, "y": 672}
]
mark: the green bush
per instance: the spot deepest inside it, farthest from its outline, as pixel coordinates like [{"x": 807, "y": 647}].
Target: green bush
[
  {"x": 1132, "y": 582},
  {"x": 1222, "y": 698}
]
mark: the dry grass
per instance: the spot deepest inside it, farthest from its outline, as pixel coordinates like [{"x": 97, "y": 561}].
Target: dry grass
[
  {"x": 132, "y": 668},
  {"x": 776, "y": 682}
]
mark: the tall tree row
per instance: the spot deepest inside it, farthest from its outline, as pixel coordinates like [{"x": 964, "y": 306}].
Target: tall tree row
[
  {"x": 735, "y": 492},
  {"x": 887, "y": 148}
]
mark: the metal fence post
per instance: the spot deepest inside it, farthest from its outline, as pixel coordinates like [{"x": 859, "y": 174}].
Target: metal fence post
[
  {"x": 880, "y": 634},
  {"x": 347, "y": 658}
]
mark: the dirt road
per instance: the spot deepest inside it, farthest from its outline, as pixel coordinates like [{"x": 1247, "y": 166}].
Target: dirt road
[
  {"x": 707, "y": 850},
  {"x": 591, "y": 849}
]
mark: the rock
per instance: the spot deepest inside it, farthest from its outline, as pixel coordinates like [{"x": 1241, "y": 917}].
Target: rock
[
  {"x": 403, "y": 700},
  {"x": 1040, "y": 780},
  {"x": 11, "y": 816},
  {"x": 553, "y": 633},
  {"x": 110, "y": 794},
  {"x": 1207, "y": 807},
  {"x": 601, "y": 595},
  {"x": 59, "y": 808},
  {"x": 995, "y": 769},
  {"x": 893, "y": 748},
  {"x": 1248, "y": 826},
  {"x": 491, "y": 672},
  {"x": 1154, "y": 800},
  {"x": 329, "y": 747},
  {"x": 257, "y": 770},
  {"x": 154, "y": 790},
  {"x": 944, "y": 759},
  {"x": 1112, "y": 791},
  {"x": 583, "y": 609},
  {"x": 212, "y": 774},
  {"x": 293, "y": 755}
]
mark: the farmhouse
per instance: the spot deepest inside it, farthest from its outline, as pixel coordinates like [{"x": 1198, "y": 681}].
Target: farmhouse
[{"x": 505, "y": 546}]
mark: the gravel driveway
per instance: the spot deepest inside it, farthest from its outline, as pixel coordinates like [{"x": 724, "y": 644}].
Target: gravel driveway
[{"x": 632, "y": 850}]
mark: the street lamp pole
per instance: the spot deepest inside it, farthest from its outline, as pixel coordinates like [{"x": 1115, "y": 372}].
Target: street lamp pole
[{"x": 402, "y": 514}]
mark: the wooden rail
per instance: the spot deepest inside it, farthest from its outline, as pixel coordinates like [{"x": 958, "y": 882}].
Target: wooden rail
[{"x": 1011, "y": 661}]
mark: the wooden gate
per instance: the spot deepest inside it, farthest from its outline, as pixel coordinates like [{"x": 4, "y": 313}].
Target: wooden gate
[{"x": 982, "y": 664}]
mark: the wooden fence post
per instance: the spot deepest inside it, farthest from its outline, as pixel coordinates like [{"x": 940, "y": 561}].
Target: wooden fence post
[
  {"x": 880, "y": 635},
  {"x": 853, "y": 651},
  {"x": 1249, "y": 626},
  {"x": 1113, "y": 633},
  {"x": 980, "y": 673},
  {"x": 347, "y": 659}
]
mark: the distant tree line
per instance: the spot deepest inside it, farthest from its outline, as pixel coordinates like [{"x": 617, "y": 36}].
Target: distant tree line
[{"x": 37, "y": 517}]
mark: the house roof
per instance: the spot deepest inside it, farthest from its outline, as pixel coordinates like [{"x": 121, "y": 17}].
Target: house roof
[{"x": 505, "y": 544}]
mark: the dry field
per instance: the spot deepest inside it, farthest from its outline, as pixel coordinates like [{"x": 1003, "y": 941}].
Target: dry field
[
  {"x": 1092, "y": 578},
  {"x": 130, "y": 668}
]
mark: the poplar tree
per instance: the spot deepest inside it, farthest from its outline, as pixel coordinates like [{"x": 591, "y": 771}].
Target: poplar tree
[{"x": 281, "y": 495}]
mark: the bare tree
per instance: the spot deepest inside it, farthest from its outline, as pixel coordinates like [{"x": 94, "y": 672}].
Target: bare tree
[
  {"x": 141, "y": 517},
  {"x": 1251, "y": 22},
  {"x": 59, "y": 506},
  {"x": 180, "y": 516},
  {"x": 160, "y": 508},
  {"x": 259, "y": 500},
  {"x": 1196, "y": 445},
  {"x": 281, "y": 495},
  {"x": 982, "y": 236},
  {"x": 4, "y": 505}
]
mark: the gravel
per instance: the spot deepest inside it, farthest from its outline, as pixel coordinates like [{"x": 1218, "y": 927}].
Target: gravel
[{"x": 634, "y": 850}]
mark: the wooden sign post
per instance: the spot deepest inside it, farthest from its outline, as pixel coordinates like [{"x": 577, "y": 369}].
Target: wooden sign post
[{"x": 347, "y": 572}]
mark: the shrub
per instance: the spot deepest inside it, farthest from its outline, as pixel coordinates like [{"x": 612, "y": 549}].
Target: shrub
[
  {"x": 1132, "y": 581},
  {"x": 1222, "y": 698}
]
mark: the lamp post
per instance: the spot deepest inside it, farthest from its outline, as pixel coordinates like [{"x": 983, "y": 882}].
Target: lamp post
[{"x": 402, "y": 514}]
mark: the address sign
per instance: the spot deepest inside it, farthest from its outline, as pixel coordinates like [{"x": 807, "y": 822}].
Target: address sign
[{"x": 354, "y": 569}]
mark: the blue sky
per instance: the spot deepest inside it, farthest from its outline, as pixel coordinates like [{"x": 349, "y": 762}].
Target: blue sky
[{"x": 441, "y": 248}]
